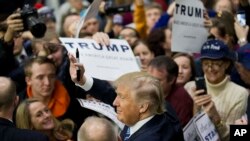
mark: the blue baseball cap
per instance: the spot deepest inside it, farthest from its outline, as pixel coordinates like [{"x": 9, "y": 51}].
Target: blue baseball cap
[{"x": 215, "y": 49}]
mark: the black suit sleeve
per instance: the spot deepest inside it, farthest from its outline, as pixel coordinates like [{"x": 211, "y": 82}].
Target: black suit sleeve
[
  {"x": 28, "y": 135},
  {"x": 7, "y": 59},
  {"x": 103, "y": 91}
]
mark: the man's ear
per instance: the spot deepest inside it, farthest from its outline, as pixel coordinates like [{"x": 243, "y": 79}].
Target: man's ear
[
  {"x": 16, "y": 101},
  {"x": 144, "y": 107},
  {"x": 28, "y": 80},
  {"x": 172, "y": 82}
]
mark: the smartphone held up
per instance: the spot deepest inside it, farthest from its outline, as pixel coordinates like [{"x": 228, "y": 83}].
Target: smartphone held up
[
  {"x": 241, "y": 18},
  {"x": 201, "y": 84}
]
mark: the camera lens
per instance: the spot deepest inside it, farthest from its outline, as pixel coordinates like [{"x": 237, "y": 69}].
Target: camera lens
[
  {"x": 32, "y": 22},
  {"x": 36, "y": 27}
]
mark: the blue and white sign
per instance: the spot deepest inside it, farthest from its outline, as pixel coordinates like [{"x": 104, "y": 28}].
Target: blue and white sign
[{"x": 103, "y": 62}]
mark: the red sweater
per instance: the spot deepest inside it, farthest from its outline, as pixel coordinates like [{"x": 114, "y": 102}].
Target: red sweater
[{"x": 181, "y": 101}]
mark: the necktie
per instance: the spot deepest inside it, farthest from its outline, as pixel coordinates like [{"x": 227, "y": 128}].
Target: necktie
[{"x": 127, "y": 134}]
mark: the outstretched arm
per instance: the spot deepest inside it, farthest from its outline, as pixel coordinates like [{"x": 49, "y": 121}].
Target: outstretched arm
[{"x": 99, "y": 89}]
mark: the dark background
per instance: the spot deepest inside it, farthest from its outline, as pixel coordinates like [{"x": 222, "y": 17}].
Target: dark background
[{"x": 9, "y": 6}]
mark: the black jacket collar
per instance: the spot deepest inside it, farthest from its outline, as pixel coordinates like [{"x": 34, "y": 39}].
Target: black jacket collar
[{"x": 6, "y": 122}]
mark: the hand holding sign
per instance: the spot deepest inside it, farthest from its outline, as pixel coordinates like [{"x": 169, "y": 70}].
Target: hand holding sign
[
  {"x": 207, "y": 21},
  {"x": 74, "y": 65},
  {"x": 101, "y": 38},
  {"x": 102, "y": 62}
]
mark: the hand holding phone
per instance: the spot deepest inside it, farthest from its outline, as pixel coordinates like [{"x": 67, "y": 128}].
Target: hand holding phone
[
  {"x": 201, "y": 84},
  {"x": 241, "y": 18}
]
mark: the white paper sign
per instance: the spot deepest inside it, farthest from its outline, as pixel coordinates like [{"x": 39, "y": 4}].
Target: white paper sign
[
  {"x": 103, "y": 62},
  {"x": 189, "y": 32},
  {"x": 206, "y": 128},
  {"x": 102, "y": 108},
  {"x": 200, "y": 128},
  {"x": 190, "y": 133}
]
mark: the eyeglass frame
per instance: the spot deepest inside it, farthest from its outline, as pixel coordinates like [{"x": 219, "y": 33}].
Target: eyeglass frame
[{"x": 212, "y": 64}]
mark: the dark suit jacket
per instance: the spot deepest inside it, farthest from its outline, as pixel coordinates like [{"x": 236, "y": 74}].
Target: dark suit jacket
[
  {"x": 159, "y": 128},
  {"x": 165, "y": 127},
  {"x": 8, "y": 132},
  {"x": 103, "y": 91}
]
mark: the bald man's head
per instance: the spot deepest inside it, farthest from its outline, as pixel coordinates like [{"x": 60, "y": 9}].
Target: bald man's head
[
  {"x": 97, "y": 129},
  {"x": 7, "y": 93}
]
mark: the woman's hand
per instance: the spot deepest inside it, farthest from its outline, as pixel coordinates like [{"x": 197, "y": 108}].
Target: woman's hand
[
  {"x": 207, "y": 21},
  {"x": 206, "y": 103},
  {"x": 241, "y": 121},
  {"x": 241, "y": 33}
]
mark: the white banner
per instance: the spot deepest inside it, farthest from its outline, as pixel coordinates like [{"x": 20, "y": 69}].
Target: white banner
[
  {"x": 200, "y": 128},
  {"x": 102, "y": 108},
  {"x": 190, "y": 133},
  {"x": 103, "y": 62},
  {"x": 189, "y": 32}
]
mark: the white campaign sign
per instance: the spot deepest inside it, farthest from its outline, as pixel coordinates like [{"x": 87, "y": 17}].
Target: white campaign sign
[
  {"x": 189, "y": 32},
  {"x": 103, "y": 62},
  {"x": 206, "y": 128},
  {"x": 200, "y": 128},
  {"x": 102, "y": 108},
  {"x": 189, "y": 132}
]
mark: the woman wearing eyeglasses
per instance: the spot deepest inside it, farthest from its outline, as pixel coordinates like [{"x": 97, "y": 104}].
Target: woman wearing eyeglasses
[{"x": 224, "y": 101}]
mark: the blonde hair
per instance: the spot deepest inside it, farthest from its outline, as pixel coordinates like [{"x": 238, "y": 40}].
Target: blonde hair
[
  {"x": 23, "y": 117},
  {"x": 153, "y": 5},
  {"x": 145, "y": 88},
  {"x": 23, "y": 120}
]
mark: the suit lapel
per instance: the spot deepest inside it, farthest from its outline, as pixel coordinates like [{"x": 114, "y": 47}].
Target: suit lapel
[{"x": 146, "y": 127}]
